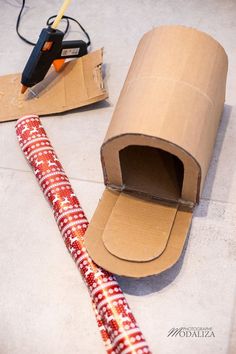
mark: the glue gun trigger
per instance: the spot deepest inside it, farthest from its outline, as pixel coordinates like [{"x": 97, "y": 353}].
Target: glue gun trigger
[{"x": 58, "y": 64}]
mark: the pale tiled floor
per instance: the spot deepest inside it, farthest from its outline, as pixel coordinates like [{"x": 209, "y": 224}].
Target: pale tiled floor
[{"x": 44, "y": 305}]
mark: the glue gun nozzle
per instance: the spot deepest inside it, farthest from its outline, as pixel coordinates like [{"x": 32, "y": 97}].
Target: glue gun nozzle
[{"x": 23, "y": 88}]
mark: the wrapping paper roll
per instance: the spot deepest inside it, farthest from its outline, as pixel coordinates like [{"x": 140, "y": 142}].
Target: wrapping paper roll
[{"x": 118, "y": 327}]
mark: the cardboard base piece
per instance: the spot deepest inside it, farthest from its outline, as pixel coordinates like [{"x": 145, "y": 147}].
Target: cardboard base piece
[{"x": 160, "y": 232}]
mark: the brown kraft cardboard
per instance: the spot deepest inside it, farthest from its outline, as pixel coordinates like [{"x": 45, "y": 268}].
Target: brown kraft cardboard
[{"x": 157, "y": 151}]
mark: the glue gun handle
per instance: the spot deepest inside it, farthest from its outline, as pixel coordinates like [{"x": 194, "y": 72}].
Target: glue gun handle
[{"x": 42, "y": 57}]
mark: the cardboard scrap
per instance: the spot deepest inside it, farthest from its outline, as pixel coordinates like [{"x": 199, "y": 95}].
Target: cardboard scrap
[
  {"x": 80, "y": 83},
  {"x": 157, "y": 151}
]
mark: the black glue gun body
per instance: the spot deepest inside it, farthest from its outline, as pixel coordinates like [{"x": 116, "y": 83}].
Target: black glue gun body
[{"x": 50, "y": 49}]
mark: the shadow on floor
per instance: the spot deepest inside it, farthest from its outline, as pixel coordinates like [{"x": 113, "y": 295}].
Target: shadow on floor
[{"x": 154, "y": 283}]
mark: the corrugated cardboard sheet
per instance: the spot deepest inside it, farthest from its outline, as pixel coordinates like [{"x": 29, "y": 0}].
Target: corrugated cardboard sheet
[
  {"x": 157, "y": 151},
  {"x": 79, "y": 84}
]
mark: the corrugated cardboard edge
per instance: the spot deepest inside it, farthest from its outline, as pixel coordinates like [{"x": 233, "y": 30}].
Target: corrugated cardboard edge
[
  {"x": 165, "y": 145},
  {"x": 79, "y": 84}
]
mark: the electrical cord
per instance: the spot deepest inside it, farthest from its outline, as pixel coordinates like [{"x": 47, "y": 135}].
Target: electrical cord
[
  {"x": 49, "y": 23},
  {"x": 68, "y": 19}
]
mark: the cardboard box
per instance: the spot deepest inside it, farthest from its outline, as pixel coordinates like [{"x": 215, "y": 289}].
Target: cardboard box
[
  {"x": 157, "y": 151},
  {"x": 80, "y": 83}
]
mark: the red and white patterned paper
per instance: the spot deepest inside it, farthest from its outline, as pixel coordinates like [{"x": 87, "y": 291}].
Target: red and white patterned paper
[{"x": 118, "y": 327}]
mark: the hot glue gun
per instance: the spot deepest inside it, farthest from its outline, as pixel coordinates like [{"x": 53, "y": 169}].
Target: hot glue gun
[{"x": 50, "y": 49}]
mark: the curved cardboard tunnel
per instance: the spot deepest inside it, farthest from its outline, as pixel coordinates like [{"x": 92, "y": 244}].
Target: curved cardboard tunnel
[{"x": 157, "y": 151}]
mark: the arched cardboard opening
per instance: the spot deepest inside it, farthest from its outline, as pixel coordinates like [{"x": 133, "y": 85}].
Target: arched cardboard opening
[{"x": 151, "y": 171}]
